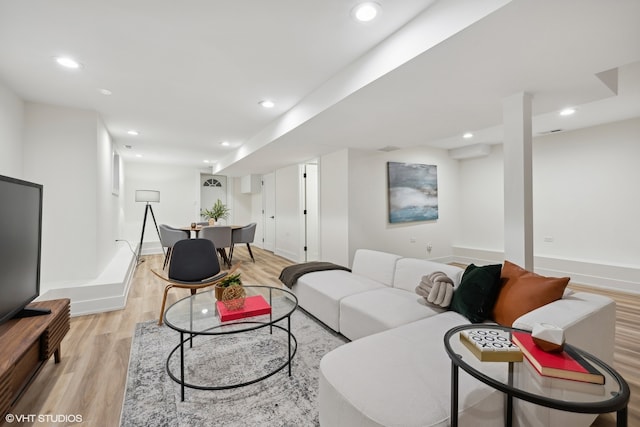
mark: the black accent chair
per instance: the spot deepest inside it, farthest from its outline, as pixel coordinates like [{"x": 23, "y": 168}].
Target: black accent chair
[{"x": 193, "y": 265}]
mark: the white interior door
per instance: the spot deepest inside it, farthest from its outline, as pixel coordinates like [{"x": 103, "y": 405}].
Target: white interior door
[
  {"x": 269, "y": 211},
  {"x": 212, "y": 188}
]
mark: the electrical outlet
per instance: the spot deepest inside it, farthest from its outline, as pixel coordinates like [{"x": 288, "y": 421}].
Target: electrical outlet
[
  {"x": 412, "y": 240},
  {"x": 548, "y": 239}
]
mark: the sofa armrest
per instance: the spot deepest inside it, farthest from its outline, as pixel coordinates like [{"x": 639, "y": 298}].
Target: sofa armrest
[{"x": 588, "y": 320}]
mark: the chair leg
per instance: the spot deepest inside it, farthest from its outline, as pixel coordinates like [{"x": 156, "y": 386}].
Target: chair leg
[
  {"x": 251, "y": 253},
  {"x": 166, "y": 258},
  {"x": 231, "y": 253},
  {"x": 164, "y": 302},
  {"x": 223, "y": 255}
]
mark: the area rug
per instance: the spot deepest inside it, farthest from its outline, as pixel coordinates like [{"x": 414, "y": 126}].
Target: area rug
[{"x": 153, "y": 398}]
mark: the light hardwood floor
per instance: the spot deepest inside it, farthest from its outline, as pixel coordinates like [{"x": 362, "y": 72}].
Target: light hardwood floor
[{"x": 91, "y": 377}]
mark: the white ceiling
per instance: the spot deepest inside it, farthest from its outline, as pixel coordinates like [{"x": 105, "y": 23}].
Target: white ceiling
[{"x": 189, "y": 75}]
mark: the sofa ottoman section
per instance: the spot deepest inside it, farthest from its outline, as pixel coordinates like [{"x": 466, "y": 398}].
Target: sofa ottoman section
[
  {"x": 375, "y": 311},
  {"x": 401, "y": 377}
]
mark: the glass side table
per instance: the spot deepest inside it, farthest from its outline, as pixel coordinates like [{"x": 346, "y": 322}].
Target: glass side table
[{"x": 522, "y": 381}]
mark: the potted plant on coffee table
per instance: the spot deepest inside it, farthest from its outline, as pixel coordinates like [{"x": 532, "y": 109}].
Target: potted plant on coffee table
[
  {"x": 230, "y": 280},
  {"x": 218, "y": 211}
]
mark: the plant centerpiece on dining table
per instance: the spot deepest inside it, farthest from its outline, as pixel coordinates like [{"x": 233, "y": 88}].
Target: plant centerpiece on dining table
[
  {"x": 218, "y": 211},
  {"x": 230, "y": 291}
]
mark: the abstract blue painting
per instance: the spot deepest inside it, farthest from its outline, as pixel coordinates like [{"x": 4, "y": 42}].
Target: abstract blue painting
[{"x": 413, "y": 192}]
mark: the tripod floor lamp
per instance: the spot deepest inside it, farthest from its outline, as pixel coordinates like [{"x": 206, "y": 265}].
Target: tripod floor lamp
[{"x": 147, "y": 196}]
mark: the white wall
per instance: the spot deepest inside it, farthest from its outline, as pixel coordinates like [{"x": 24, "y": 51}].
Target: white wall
[
  {"x": 239, "y": 203},
  {"x": 11, "y": 128},
  {"x": 586, "y": 196},
  {"x": 354, "y": 206},
  {"x": 481, "y": 202},
  {"x": 369, "y": 225},
  {"x": 60, "y": 152},
  {"x": 70, "y": 152},
  {"x": 107, "y": 204},
  {"x": 334, "y": 207},
  {"x": 179, "y": 188},
  {"x": 584, "y": 200}
]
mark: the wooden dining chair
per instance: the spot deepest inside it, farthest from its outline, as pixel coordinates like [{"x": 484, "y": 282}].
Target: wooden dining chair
[{"x": 193, "y": 265}]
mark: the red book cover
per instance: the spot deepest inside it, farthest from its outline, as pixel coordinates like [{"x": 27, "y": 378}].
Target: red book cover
[
  {"x": 566, "y": 364},
  {"x": 253, "y": 306}
]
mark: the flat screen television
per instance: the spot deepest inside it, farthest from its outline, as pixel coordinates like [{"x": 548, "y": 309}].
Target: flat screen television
[{"x": 20, "y": 241}]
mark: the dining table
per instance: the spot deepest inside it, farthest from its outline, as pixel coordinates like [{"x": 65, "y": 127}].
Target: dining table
[{"x": 196, "y": 230}]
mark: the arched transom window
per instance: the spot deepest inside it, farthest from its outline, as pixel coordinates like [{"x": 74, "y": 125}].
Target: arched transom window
[{"x": 212, "y": 182}]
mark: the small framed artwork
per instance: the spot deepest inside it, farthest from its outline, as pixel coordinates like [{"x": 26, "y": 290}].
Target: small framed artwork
[{"x": 413, "y": 192}]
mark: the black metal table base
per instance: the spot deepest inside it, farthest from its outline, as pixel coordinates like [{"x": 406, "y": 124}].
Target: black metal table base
[
  {"x": 617, "y": 403},
  {"x": 292, "y": 344}
]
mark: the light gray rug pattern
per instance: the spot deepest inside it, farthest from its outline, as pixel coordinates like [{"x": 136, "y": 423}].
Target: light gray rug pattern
[{"x": 152, "y": 398}]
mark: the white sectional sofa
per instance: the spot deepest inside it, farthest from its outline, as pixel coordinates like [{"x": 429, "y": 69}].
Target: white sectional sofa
[{"x": 395, "y": 372}]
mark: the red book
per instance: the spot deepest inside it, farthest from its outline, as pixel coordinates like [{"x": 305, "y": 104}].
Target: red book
[
  {"x": 253, "y": 306},
  {"x": 567, "y": 364}
]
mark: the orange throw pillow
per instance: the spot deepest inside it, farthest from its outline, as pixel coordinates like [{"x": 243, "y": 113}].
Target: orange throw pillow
[{"x": 523, "y": 291}]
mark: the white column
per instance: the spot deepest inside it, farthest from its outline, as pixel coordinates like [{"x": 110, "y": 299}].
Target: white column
[{"x": 518, "y": 195}]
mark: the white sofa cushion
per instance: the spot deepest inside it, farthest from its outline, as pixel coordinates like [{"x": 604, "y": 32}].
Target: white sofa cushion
[
  {"x": 409, "y": 272},
  {"x": 320, "y": 293},
  {"x": 375, "y": 265},
  {"x": 381, "y": 309},
  {"x": 401, "y": 377}
]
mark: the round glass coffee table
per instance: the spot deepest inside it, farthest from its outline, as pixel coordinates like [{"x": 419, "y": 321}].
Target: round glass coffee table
[
  {"x": 522, "y": 381},
  {"x": 197, "y": 315}
]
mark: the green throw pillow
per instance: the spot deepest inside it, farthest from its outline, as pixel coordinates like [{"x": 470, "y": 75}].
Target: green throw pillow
[{"x": 477, "y": 293}]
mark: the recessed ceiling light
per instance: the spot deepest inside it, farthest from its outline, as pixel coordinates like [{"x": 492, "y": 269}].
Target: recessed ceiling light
[
  {"x": 467, "y": 135},
  {"x": 138, "y": 155},
  {"x": 365, "y": 12},
  {"x": 106, "y": 92},
  {"x": 267, "y": 104},
  {"x": 225, "y": 143},
  {"x": 133, "y": 132},
  {"x": 567, "y": 111},
  {"x": 206, "y": 161},
  {"x": 67, "y": 62}
]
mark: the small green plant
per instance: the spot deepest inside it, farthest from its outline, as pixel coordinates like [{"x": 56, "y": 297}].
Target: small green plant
[
  {"x": 232, "y": 279},
  {"x": 217, "y": 211}
]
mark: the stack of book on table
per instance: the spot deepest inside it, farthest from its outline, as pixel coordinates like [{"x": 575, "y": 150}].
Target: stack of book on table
[
  {"x": 491, "y": 345},
  {"x": 567, "y": 364},
  {"x": 253, "y": 306}
]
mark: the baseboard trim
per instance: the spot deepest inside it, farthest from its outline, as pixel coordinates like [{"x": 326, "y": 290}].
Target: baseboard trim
[
  {"x": 291, "y": 256},
  {"x": 602, "y": 275}
]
